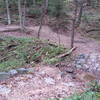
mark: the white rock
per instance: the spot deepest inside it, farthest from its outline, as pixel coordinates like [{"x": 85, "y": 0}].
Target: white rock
[
  {"x": 13, "y": 72},
  {"x": 69, "y": 84},
  {"x": 30, "y": 70},
  {"x": 4, "y": 90},
  {"x": 4, "y": 76},
  {"x": 49, "y": 80},
  {"x": 22, "y": 70}
]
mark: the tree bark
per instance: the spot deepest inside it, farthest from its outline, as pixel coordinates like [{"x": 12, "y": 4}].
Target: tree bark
[
  {"x": 88, "y": 2},
  {"x": 42, "y": 16},
  {"x": 73, "y": 26},
  {"x": 24, "y": 14},
  {"x": 73, "y": 33},
  {"x": 20, "y": 15},
  {"x": 34, "y": 2},
  {"x": 79, "y": 16},
  {"x": 8, "y": 12}
]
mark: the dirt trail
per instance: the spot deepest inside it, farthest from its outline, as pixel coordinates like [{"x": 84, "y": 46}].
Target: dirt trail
[{"x": 85, "y": 45}]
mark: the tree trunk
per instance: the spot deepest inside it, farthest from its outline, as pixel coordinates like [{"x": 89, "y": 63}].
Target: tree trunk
[
  {"x": 79, "y": 16},
  {"x": 34, "y": 2},
  {"x": 73, "y": 33},
  {"x": 20, "y": 15},
  {"x": 24, "y": 14},
  {"x": 73, "y": 26},
  {"x": 42, "y": 16},
  {"x": 8, "y": 12},
  {"x": 89, "y": 2}
]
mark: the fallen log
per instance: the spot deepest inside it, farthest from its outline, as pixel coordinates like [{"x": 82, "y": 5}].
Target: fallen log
[
  {"x": 67, "y": 54},
  {"x": 92, "y": 30},
  {"x": 9, "y": 29}
]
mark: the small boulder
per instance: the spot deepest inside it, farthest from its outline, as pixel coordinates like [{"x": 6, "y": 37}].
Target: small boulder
[
  {"x": 30, "y": 70},
  {"x": 69, "y": 84},
  {"x": 70, "y": 70},
  {"x": 4, "y": 76},
  {"x": 13, "y": 72},
  {"x": 4, "y": 90},
  {"x": 22, "y": 70},
  {"x": 49, "y": 80}
]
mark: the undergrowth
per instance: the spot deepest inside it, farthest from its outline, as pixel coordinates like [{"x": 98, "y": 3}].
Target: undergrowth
[
  {"x": 95, "y": 36},
  {"x": 16, "y": 52},
  {"x": 92, "y": 93}
]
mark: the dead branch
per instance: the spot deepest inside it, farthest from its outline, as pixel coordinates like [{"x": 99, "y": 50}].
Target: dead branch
[
  {"x": 68, "y": 53},
  {"x": 92, "y": 30}
]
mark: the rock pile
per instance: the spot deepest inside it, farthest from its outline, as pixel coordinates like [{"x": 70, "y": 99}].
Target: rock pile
[{"x": 88, "y": 62}]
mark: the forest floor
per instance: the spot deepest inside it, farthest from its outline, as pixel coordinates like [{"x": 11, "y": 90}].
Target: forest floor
[
  {"x": 83, "y": 44},
  {"x": 46, "y": 82}
]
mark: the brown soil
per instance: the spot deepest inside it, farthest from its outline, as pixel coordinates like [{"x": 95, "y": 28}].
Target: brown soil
[
  {"x": 34, "y": 87},
  {"x": 83, "y": 44}
]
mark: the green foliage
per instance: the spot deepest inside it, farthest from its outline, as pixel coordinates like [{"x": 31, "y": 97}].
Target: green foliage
[
  {"x": 91, "y": 17},
  {"x": 84, "y": 96},
  {"x": 93, "y": 93},
  {"x": 95, "y": 36},
  {"x": 35, "y": 11},
  {"x": 56, "y": 7},
  {"x": 51, "y": 61},
  {"x": 16, "y": 52}
]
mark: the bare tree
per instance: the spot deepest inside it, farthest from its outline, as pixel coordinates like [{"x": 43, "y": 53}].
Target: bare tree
[
  {"x": 8, "y": 12},
  {"x": 77, "y": 20}
]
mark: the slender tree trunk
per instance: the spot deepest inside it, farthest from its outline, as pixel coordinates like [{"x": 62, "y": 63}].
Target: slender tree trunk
[
  {"x": 79, "y": 16},
  {"x": 24, "y": 14},
  {"x": 42, "y": 16},
  {"x": 89, "y": 2},
  {"x": 34, "y": 2},
  {"x": 46, "y": 4},
  {"x": 73, "y": 33},
  {"x": 20, "y": 15},
  {"x": 40, "y": 27},
  {"x": 73, "y": 26},
  {"x": 8, "y": 12}
]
